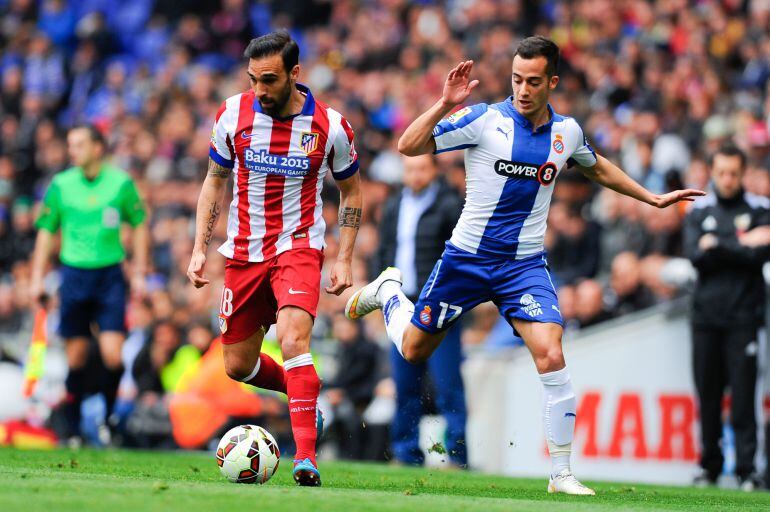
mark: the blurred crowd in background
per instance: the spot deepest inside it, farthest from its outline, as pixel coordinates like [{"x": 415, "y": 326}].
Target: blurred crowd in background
[{"x": 656, "y": 85}]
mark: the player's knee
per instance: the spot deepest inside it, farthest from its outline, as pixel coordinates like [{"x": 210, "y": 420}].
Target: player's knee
[
  {"x": 294, "y": 341},
  {"x": 112, "y": 361},
  {"x": 112, "y": 357},
  {"x": 550, "y": 360},
  {"x": 414, "y": 353},
  {"x": 293, "y": 344},
  {"x": 237, "y": 369}
]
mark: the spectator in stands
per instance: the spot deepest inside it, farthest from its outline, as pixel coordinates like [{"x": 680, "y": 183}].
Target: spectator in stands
[
  {"x": 149, "y": 424},
  {"x": 625, "y": 293},
  {"x": 352, "y": 389},
  {"x": 589, "y": 303},
  {"x": 574, "y": 250}
]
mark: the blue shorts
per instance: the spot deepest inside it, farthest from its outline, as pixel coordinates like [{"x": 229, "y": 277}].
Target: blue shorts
[
  {"x": 461, "y": 280},
  {"x": 92, "y": 295}
]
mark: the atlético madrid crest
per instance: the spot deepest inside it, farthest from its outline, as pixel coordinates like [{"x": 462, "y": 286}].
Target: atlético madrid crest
[
  {"x": 223, "y": 323},
  {"x": 308, "y": 142}
]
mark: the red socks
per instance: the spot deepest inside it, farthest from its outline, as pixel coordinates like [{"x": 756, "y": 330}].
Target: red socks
[
  {"x": 303, "y": 387},
  {"x": 269, "y": 375}
]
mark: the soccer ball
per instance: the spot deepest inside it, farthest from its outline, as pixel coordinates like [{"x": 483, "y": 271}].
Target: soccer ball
[{"x": 248, "y": 454}]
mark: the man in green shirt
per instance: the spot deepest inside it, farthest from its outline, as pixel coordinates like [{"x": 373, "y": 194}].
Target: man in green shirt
[{"x": 89, "y": 203}]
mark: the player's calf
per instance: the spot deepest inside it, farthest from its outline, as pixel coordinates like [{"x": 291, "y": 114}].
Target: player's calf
[
  {"x": 302, "y": 383},
  {"x": 417, "y": 345}
]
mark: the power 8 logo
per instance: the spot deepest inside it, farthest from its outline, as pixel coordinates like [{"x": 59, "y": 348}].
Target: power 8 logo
[{"x": 547, "y": 173}]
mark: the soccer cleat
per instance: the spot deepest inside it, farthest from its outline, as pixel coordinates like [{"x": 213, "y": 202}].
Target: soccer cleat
[
  {"x": 750, "y": 483},
  {"x": 365, "y": 300},
  {"x": 306, "y": 474},
  {"x": 565, "y": 482},
  {"x": 704, "y": 479}
]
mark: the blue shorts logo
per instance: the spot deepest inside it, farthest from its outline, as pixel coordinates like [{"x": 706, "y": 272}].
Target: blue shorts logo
[
  {"x": 531, "y": 306},
  {"x": 268, "y": 163}
]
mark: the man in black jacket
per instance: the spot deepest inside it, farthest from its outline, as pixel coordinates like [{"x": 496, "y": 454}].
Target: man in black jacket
[
  {"x": 727, "y": 237},
  {"x": 416, "y": 222}
]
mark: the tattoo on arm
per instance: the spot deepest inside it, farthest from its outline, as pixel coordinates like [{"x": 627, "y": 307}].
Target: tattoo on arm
[
  {"x": 217, "y": 170},
  {"x": 350, "y": 217},
  {"x": 213, "y": 216}
]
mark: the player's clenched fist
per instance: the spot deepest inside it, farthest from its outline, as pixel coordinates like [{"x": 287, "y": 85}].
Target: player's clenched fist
[
  {"x": 195, "y": 270},
  {"x": 341, "y": 278}
]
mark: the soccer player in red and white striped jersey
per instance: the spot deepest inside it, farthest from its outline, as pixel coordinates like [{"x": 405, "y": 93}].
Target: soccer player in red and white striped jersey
[{"x": 279, "y": 142}]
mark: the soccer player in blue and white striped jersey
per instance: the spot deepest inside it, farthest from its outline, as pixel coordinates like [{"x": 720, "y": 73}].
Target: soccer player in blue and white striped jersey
[{"x": 514, "y": 151}]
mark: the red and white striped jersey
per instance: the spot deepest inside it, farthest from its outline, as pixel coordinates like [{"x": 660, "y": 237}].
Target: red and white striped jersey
[{"x": 279, "y": 167}]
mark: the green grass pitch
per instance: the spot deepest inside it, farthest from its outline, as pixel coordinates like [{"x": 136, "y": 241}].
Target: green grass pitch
[{"x": 114, "y": 480}]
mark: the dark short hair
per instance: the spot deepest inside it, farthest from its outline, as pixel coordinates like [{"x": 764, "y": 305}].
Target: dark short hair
[
  {"x": 729, "y": 149},
  {"x": 539, "y": 46},
  {"x": 274, "y": 43},
  {"x": 93, "y": 133}
]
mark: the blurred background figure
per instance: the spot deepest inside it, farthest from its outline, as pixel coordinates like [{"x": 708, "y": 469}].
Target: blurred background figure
[
  {"x": 728, "y": 241},
  {"x": 574, "y": 250},
  {"x": 416, "y": 222},
  {"x": 589, "y": 303},
  {"x": 625, "y": 293},
  {"x": 149, "y": 424},
  {"x": 90, "y": 203},
  {"x": 359, "y": 370}
]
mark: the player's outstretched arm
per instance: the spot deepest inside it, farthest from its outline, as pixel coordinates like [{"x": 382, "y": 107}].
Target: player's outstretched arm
[
  {"x": 609, "y": 175},
  {"x": 349, "y": 220},
  {"x": 417, "y": 139},
  {"x": 209, "y": 207}
]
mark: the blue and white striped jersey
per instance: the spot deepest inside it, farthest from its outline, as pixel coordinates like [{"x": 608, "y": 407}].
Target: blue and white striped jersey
[{"x": 510, "y": 170}]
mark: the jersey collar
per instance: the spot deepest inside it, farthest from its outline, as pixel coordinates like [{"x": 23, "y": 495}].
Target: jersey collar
[
  {"x": 96, "y": 178},
  {"x": 523, "y": 121},
  {"x": 308, "y": 109}
]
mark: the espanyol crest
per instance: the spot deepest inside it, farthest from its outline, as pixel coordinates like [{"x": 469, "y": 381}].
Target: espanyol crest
[
  {"x": 425, "y": 317},
  {"x": 558, "y": 144},
  {"x": 308, "y": 142}
]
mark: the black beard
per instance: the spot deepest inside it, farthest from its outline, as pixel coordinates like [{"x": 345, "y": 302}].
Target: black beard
[{"x": 280, "y": 102}]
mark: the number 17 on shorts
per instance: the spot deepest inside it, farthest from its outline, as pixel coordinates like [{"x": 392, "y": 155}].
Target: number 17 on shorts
[{"x": 436, "y": 318}]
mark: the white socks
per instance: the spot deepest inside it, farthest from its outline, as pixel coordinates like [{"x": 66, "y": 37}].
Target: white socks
[
  {"x": 559, "y": 406},
  {"x": 397, "y": 310},
  {"x": 295, "y": 362}
]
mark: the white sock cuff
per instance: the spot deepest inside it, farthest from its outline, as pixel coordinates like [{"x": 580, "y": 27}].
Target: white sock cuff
[
  {"x": 558, "y": 449},
  {"x": 557, "y": 378},
  {"x": 296, "y": 362},
  {"x": 254, "y": 372}
]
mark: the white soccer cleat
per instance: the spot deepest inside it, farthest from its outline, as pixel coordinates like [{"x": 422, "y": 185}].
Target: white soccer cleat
[
  {"x": 566, "y": 483},
  {"x": 365, "y": 300}
]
